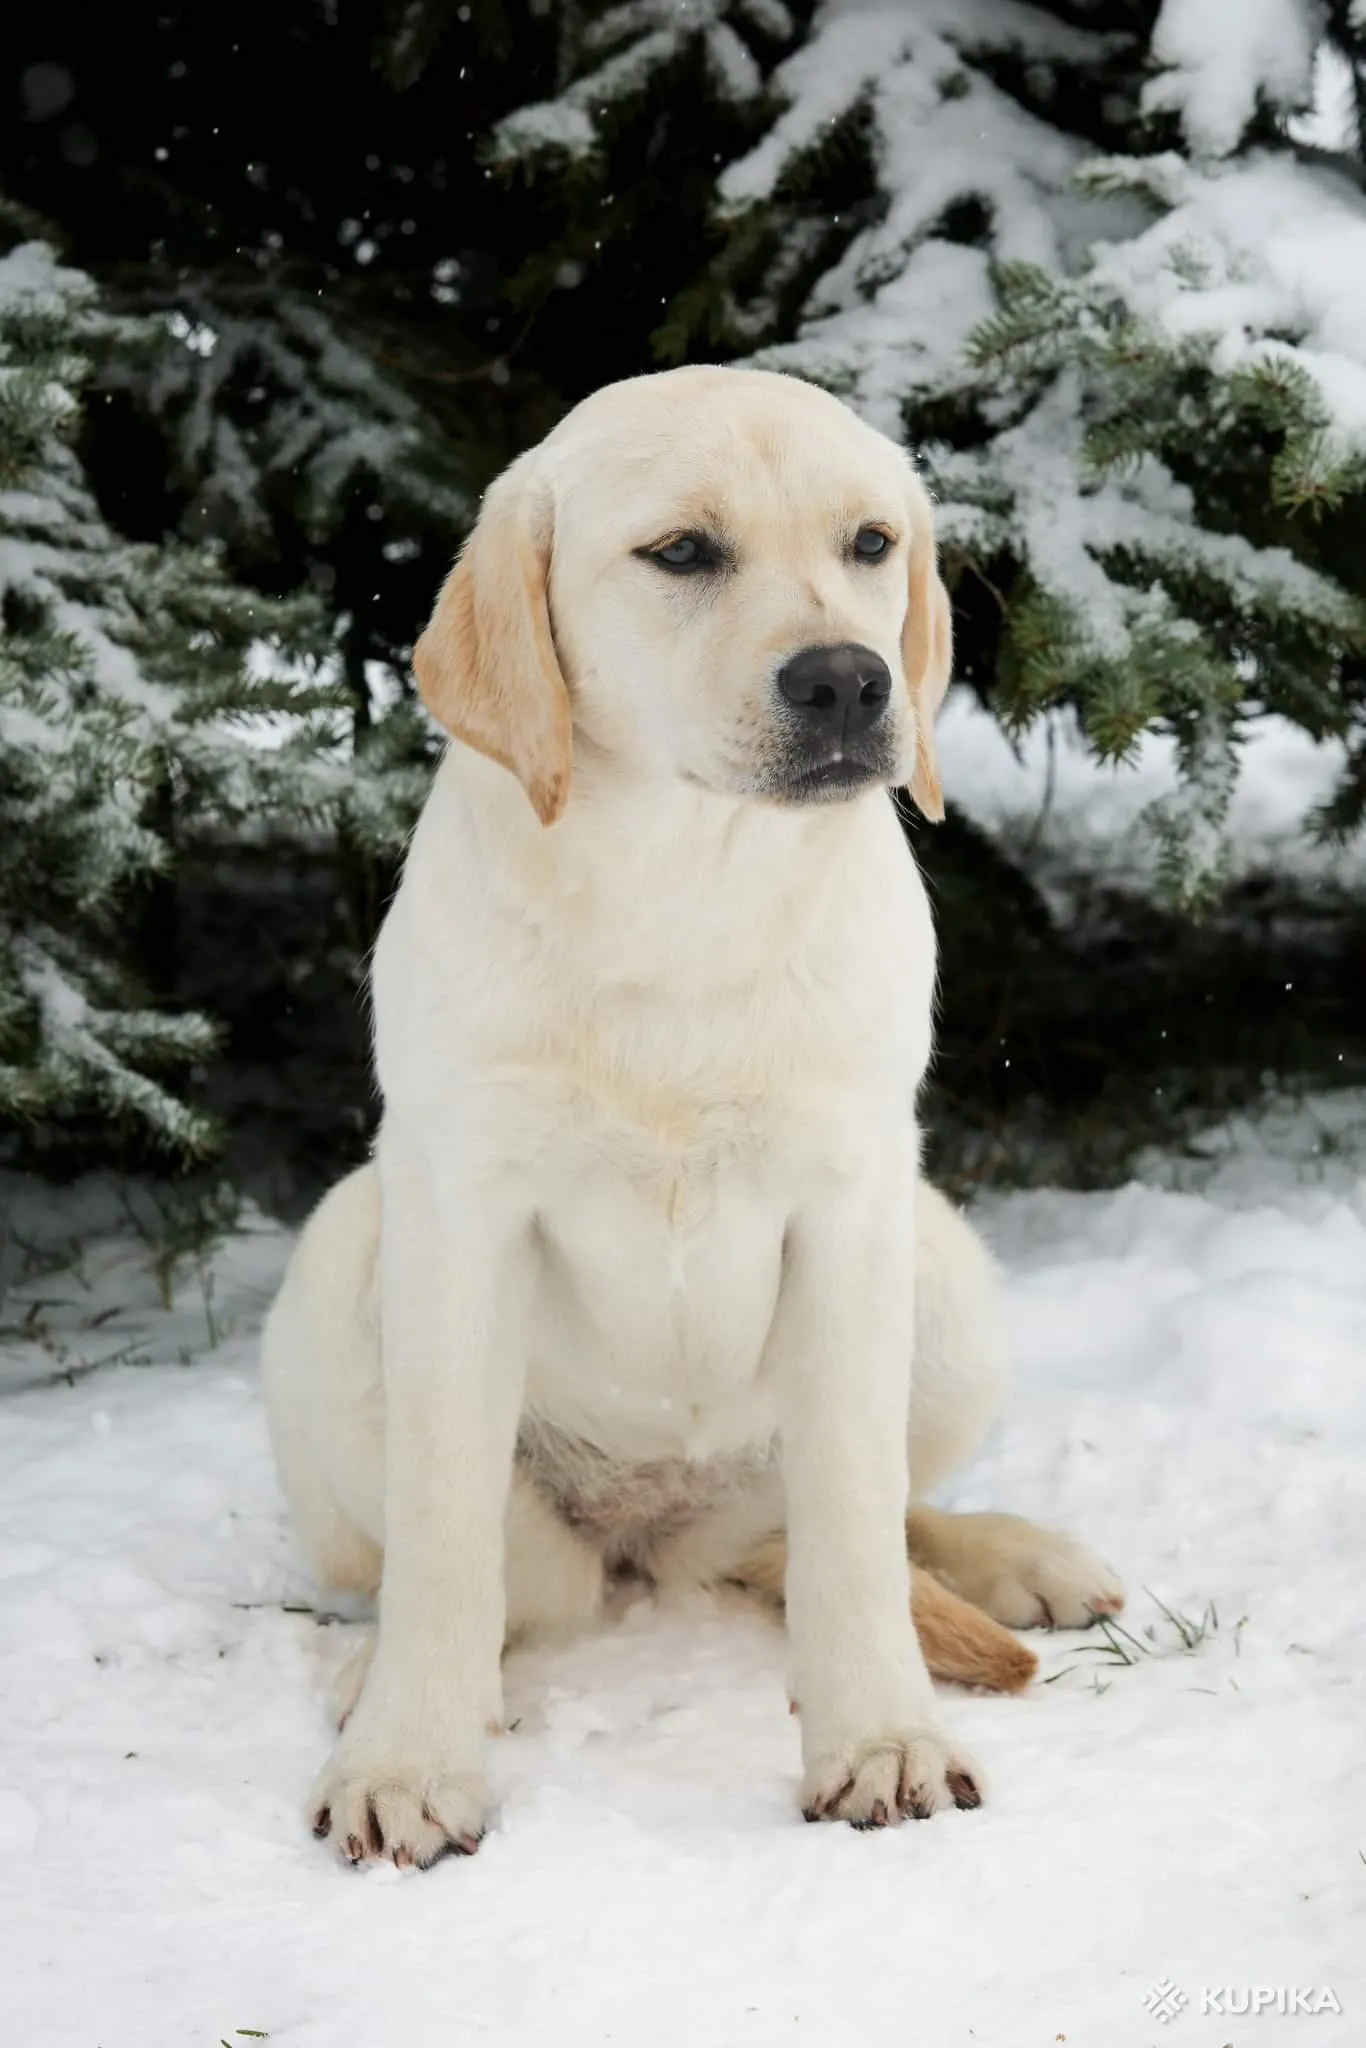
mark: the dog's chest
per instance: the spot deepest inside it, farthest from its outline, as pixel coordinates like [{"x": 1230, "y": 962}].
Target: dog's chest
[{"x": 659, "y": 1252}]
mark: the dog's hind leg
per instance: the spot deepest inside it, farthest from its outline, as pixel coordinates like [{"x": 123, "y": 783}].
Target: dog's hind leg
[
  {"x": 555, "y": 1586},
  {"x": 556, "y": 1582},
  {"x": 959, "y": 1641},
  {"x": 1023, "y": 1575},
  {"x": 973, "y": 1576},
  {"x": 1020, "y": 1574},
  {"x": 742, "y": 1544},
  {"x": 323, "y": 1377},
  {"x": 320, "y": 1370},
  {"x": 960, "y": 1373}
]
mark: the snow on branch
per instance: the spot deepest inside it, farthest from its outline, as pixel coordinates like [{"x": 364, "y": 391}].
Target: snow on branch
[{"x": 1222, "y": 60}]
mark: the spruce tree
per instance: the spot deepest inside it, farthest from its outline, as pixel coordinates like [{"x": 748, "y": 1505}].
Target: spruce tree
[
  {"x": 1090, "y": 264},
  {"x": 1083, "y": 266},
  {"x": 1082, "y": 261},
  {"x": 145, "y": 700}
]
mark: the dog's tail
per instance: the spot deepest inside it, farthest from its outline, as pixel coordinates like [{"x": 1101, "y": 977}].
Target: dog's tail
[{"x": 960, "y": 1642}]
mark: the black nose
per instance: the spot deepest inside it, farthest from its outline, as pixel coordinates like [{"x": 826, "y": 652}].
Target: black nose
[{"x": 838, "y": 690}]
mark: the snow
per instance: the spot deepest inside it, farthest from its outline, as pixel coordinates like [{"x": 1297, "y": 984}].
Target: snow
[
  {"x": 1252, "y": 264},
  {"x": 819, "y": 84},
  {"x": 662, "y": 30},
  {"x": 1255, "y": 262},
  {"x": 1266, "y": 257},
  {"x": 1189, "y": 1396},
  {"x": 1330, "y": 122},
  {"x": 1042, "y": 463},
  {"x": 774, "y": 17},
  {"x": 32, "y": 279},
  {"x": 894, "y": 314},
  {"x": 1080, "y": 820},
  {"x": 921, "y": 318},
  {"x": 64, "y": 1006},
  {"x": 738, "y": 77},
  {"x": 1221, "y": 57}
]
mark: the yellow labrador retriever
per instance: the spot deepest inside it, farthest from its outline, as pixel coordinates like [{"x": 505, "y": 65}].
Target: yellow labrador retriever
[{"x": 643, "y": 1276}]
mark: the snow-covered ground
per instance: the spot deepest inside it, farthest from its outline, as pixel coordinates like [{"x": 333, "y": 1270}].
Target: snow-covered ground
[{"x": 1191, "y": 1351}]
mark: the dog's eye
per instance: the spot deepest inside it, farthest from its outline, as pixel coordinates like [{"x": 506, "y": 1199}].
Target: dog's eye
[
  {"x": 684, "y": 555},
  {"x": 871, "y": 543}
]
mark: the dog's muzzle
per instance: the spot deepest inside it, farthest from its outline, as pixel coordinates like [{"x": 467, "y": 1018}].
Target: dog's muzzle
[{"x": 836, "y": 736}]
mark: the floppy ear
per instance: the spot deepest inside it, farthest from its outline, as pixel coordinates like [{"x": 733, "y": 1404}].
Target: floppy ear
[
  {"x": 486, "y": 665},
  {"x": 927, "y": 657}
]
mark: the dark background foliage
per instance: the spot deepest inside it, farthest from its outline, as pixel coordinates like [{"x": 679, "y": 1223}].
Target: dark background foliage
[{"x": 369, "y": 313}]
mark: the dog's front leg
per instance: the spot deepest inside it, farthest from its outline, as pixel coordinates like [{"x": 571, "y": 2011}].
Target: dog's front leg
[
  {"x": 872, "y": 1749},
  {"x": 406, "y": 1779}
]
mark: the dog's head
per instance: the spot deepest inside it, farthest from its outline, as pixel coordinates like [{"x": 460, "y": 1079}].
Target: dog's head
[{"x": 718, "y": 575}]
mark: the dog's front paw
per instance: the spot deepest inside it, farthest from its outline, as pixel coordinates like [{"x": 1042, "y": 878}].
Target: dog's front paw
[
  {"x": 880, "y": 1780},
  {"x": 374, "y": 1803}
]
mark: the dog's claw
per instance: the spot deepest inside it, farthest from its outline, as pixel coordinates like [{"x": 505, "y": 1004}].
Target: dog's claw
[{"x": 964, "y": 1790}]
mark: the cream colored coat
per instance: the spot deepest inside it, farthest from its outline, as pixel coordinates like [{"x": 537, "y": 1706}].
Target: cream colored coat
[{"x": 632, "y": 1281}]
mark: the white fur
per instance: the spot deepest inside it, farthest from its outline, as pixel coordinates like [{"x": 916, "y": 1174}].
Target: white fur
[{"x": 646, "y": 1188}]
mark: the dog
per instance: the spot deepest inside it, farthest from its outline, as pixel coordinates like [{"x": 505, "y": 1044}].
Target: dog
[{"x": 643, "y": 1276}]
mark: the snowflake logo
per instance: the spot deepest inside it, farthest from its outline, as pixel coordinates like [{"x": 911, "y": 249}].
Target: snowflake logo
[{"x": 1164, "y": 2001}]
